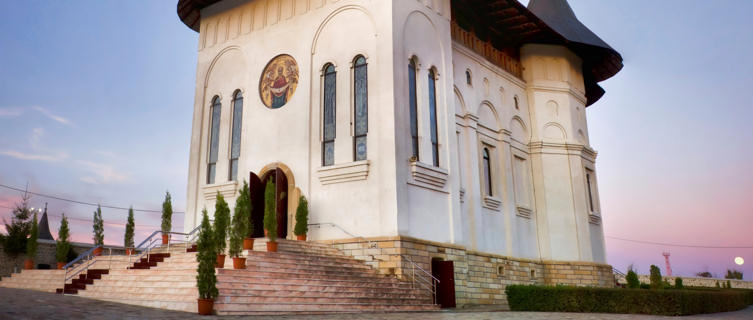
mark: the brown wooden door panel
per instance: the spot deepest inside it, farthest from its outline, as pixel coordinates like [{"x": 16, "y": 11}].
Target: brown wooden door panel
[
  {"x": 256, "y": 188},
  {"x": 445, "y": 272}
]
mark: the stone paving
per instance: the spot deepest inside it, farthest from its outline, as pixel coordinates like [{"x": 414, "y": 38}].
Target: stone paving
[{"x": 26, "y": 304}]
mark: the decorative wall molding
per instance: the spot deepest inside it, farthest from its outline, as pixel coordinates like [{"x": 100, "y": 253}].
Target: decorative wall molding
[
  {"x": 594, "y": 219},
  {"x": 492, "y": 203},
  {"x": 428, "y": 176},
  {"x": 352, "y": 171},
  {"x": 227, "y": 190},
  {"x": 523, "y": 211},
  {"x": 462, "y": 194}
]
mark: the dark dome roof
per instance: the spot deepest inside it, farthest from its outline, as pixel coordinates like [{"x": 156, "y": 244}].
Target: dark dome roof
[{"x": 189, "y": 11}]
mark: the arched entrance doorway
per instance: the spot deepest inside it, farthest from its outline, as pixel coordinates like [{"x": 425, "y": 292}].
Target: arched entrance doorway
[{"x": 285, "y": 197}]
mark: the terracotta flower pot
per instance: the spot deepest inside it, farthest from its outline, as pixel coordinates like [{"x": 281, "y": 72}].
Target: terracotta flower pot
[
  {"x": 130, "y": 251},
  {"x": 220, "y": 261},
  {"x": 239, "y": 263},
  {"x": 61, "y": 265},
  {"x": 206, "y": 306},
  {"x": 248, "y": 244},
  {"x": 301, "y": 237},
  {"x": 271, "y": 246},
  {"x": 29, "y": 264},
  {"x": 165, "y": 238},
  {"x": 97, "y": 251}
]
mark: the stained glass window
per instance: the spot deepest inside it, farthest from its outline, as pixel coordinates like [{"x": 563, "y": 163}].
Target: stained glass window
[
  {"x": 214, "y": 138},
  {"x": 361, "y": 105},
  {"x": 433, "y": 118},
  {"x": 328, "y": 143},
  {"x": 590, "y": 194},
  {"x": 487, "y": 172},
  {"x": 235, "y": 145},
  {"x": 413, "y": 106}
]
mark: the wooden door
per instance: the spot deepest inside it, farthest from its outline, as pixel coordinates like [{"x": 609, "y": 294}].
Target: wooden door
[
  {"x": 281, "y": 195},
  {"x": 445, "y": 272},
  {"x": 256, "y": 188}
]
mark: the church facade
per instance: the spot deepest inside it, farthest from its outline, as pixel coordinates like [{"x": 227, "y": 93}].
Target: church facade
[{"x": 448, "y": 133}]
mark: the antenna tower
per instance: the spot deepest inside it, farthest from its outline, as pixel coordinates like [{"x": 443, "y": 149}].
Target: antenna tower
[{"x": 666, "y": 259}]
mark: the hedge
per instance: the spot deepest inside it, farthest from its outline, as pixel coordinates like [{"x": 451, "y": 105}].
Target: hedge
[{"x": 617, "y": 300}]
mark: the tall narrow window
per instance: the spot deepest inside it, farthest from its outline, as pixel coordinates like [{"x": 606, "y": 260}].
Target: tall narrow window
[
  {"x": 487, "y": 172},
  {"x": 468, "y": 77},
  {"x": 214, "y": 138},
  {"x": 590, "y": 193},
  {"x": 361, "y": 105},
  {"x": 235, "y": 145},
  {"x": 413, "y": 106},
  {"x": 328, "y": 143},
  {"x": 433, "y": 118}
]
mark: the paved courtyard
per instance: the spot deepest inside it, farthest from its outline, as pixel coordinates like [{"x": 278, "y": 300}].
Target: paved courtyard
[{"x": 25, "y": 304}]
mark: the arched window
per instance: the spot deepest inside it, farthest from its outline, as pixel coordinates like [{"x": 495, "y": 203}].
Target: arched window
[
  {"x": 433, "y": 118},
  {"x": 328, "y": 141},
  {"x": 214, "y": 138},
  {"x": 468, "y": 77},
  {"x": 361, "y": 106},
  {"x": 235, "y": 144},
  {"x": 487, "y": 172},
  {"x": 413, "y": 106}
]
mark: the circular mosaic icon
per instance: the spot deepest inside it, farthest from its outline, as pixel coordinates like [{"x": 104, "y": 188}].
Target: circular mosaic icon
[{"x": 278, "y": 81}]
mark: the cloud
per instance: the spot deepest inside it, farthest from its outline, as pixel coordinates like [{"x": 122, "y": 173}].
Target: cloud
[
  {"x": 36, "y": 136},
  {"x": 39, "y": 157},
  {"x": 104, "y": 173},
  {"x": 11, "y": 112},
  {"x": 49, "y": 114}
]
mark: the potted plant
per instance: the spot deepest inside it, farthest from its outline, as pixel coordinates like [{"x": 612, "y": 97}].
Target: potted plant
[
  {"x": 167, "y": 218},
  {"x": 221, "y": 222},
  {"x": 270, "y": 217},
  {"x": 99, "y": 231},
  {"x": 128, "y": 237},
  {"x": 301, "y": 219},
  {"x": 238, "y": 232},
  {"x": 62, "y": 246},
  {"x": 244, "y": 200},
  {"x": 206, "y": 279},
  {"x": 31, "y": 244}
]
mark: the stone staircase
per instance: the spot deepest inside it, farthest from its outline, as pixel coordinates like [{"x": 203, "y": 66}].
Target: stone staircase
[
  {"x": 302, "y": 277},
  {"x": 306, "y": 277}
]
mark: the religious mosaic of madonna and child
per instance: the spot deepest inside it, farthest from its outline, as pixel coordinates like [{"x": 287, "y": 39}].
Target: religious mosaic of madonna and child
[{"x": 278, "y": 81}]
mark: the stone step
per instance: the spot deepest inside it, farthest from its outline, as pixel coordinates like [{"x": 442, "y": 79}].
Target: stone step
[
  {"x": 253, "y": 299},
  {"x": 319, "y": 272},
  {"x": 326, "y": 292},
  {"x": 304, "y": 257},
  {"x": 281, "y": 308},
  {"x": 261, "y": 280},
  {"x": 283, "y": 274},
  {"x": 156, "y": 277},
  {"x": 139, "y": 296},
  {"x": 148, "y": 284},
  {"x": 270, "y": 262},
  {"x": 187, "y": 290},
  {"x": 168, "y": 305}
]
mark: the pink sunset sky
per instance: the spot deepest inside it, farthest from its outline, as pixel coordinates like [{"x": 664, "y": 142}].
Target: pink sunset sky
[{"x": 103, "y": 114}]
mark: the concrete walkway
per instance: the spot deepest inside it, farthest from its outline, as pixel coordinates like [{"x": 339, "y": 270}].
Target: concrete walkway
[{"x": 25, "y": 304}]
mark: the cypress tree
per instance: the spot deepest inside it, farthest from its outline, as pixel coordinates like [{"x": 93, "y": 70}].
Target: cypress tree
[
  {"x": 129, "y": 229},
  {"x": 270, "y": 214},
  {"x": 31, "y": 243},
  {"x": 98, "y": 227},
  {"x": 301, "y": 217},
  {"x": 62, "y": 246},
  {"x": 632, "y": 280},
  {"x": 240, "y": 221},
  {"x": 167, "y": 214},
  {"x": 206, "y": 279},
  {"x": 221, "y": 223},
  {"x": 14, "y": 243},
  {"x": 655, "y": 277}
]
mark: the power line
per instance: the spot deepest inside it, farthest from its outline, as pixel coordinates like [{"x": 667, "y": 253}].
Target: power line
[
  {"x": 82, "y": 202},
  {"x": 679, "y": 245}
]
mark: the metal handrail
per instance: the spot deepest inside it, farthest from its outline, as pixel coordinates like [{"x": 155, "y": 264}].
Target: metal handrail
[
  {"x": 85, "y": 265},
  {"x": 429, "y": 284}
]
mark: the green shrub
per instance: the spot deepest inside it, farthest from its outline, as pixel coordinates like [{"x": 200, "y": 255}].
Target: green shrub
[
  {"x": 302, "y": 217},
  {"x": 645, "y": 286},
  {"x": 717, "y": 284},
  {"x": 167, "y": 214},
  {"x": 729, "y": 284},
  {"x": 98, "y": 227},
  {"x": 31, "y": 243},
  {"x": 632, "y": 279},
  {"x": 733, "y": 274},
  {"x": 206, "y": 279},
  {"x": 14, "y": 242},
  {"x": 678, "y": 283},
  {"x": 221, "y": 223},
  {"x": 240, "y": 222},
  {"x": 630, "y": 301},
  {"x": 63, "y": 246},
  {"x": 655, "y": 277},
  {"x": 270, "y": 214}
]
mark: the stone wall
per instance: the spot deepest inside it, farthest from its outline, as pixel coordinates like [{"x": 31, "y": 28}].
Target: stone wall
[
  {"x": 695, "y": 282},
  {"x": 45, "y": 257},
  {"x": 480, "y": 278}
]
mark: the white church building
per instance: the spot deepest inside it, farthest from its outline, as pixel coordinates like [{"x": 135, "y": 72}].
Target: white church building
[{"x": 451, "y": 133}]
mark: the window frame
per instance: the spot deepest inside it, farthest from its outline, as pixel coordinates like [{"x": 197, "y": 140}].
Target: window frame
[
  {"x": 214, "y": 134},
  {"x": 486, "y": 160},
  {"x": 329, "y": 140},
  {"x": 237, "y": 97},
  {"x": 433, "y": 116},
  {"x": 357, "y": 66},
  {"x": 413, "y": 106}
]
